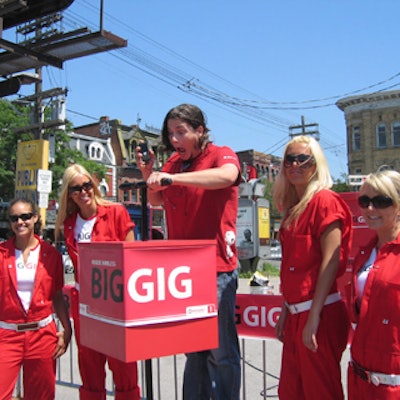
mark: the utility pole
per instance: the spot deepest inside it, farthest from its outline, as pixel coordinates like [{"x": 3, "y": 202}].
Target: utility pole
[
  {"x": 38, "y": 110},
  {"x": 304, "y": 129}
]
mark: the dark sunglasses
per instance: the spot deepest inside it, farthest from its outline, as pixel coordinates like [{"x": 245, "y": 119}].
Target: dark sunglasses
[
  {"x": 378, "y": 202},
  {"x": 24, "y": 217},
  {"x": 302, "y": 160},
  {"x": 86, "y": 187}
]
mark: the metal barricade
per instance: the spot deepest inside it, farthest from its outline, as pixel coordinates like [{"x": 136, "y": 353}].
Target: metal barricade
[{"x": 260, "y": 365}]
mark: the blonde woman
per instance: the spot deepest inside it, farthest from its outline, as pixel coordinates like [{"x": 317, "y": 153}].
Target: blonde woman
[
  {"x": 374, "y": 370},
  {"x": 85, "y": 217},
  {"x": 315, "y": 237}
]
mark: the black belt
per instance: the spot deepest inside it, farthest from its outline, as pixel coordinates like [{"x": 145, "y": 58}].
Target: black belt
[{"x": 360, "y": 371}]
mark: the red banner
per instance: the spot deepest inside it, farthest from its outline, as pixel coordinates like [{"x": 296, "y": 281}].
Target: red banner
[{"x": 256, "y": 314}]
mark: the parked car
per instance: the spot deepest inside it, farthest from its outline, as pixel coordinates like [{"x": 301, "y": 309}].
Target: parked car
[
  {"x": 68, "y": 266},
  {"x": 275, "y": 250}
]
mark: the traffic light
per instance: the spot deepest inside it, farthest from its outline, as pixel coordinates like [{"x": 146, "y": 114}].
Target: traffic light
[
  {"x": 16, "y": 12},
  {"x": 12, "y": 84},
  {"x": 9, "y": 86}
]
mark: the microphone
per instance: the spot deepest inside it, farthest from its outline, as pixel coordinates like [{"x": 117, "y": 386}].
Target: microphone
[{"x": 142, "y": 184}]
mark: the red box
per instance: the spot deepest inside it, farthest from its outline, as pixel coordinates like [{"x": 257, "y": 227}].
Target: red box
[{"x": 140, "y": 300}]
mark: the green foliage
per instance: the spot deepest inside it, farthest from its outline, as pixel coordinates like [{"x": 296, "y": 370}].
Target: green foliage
[
  {"x": 267, "y": 270},
  {"x": 273, "y": 209},
  {"x": 17, "y": 116},
  {"x": 340, "y": 185},
  {"x": 11, "y": 117}
]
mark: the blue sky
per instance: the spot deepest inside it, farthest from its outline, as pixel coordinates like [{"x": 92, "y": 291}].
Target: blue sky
[{"x": 255, "y": 67}]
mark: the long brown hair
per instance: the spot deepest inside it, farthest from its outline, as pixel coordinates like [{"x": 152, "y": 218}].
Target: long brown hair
[{"x": 190, "y": 114}]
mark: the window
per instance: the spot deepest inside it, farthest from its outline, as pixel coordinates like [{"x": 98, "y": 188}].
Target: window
[
  {"x": 95, "y": 151},
  {"x": 132, "y": 148},
  {"x": 381, "y": 136},
  {"x": 396, "y": 134},
  {"x": 356, "y": 138}
]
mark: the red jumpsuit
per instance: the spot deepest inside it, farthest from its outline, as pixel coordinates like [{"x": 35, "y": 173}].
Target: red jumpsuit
[
  {"x": 306, "y": 374},
  {"x": 112, "y": 224},
  {"x": 376, "y": 341},
  {"x": 31, "y": 349}
]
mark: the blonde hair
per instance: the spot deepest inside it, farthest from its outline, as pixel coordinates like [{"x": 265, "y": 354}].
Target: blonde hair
[
  {"x": 386, "y": 182},
  {"x": 284, "y": 193},
  {"x": 66, "y": 205}
]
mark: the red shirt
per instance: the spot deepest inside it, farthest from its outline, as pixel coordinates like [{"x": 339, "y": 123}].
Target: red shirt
[
  {"x": 376, "y": 340},
  {"x": 197, "y": 213},
  {"x": 48, "y": 279},
  {"x": 301, "y": 249},
  {"x": 112, "y": 224}
]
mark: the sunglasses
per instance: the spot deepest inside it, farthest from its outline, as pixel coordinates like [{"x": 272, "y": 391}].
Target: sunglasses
[
  {"x": 86, "y": 187},
  {"x": 379, "y": 202},
  {"x": 303, "y": 160},
  {"x": 24, "y": 217}
]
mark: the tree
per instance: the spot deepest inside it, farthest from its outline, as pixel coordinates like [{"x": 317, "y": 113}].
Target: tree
[
  {"x": 273, "y": 209},
  {"x": 341, "y": 185},
  {"x": 17, "y": 116},
  {"x": 11, "y": 117}
]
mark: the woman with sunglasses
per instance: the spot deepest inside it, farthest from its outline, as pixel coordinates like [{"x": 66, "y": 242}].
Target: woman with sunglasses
[
  {"x": 315, "y": 236},
  {"x": 374, "y": 369},
  {"x": 85, "y": 217},
  {"x": 31, "y": 281}
]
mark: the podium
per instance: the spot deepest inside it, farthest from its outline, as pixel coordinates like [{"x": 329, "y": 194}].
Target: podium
[{"x": 142, "y": 300}]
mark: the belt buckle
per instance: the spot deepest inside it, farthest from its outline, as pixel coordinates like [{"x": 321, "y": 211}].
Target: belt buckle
[
  {"x": 29, "y": 326},
  {"x": 374, "y": 379}
]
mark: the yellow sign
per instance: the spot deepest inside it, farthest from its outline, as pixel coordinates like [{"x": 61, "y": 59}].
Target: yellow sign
[
  {"x": 263, "y": 223},
  {"x": 31, "y": 157}
]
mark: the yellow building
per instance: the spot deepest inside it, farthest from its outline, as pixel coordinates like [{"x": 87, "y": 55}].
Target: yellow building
[{"x": 373, "y": 131}]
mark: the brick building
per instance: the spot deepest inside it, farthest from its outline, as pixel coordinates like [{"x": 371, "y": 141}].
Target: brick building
[
  {"x": 259, "y": 164},
  {"x": 122, "y": 141}
]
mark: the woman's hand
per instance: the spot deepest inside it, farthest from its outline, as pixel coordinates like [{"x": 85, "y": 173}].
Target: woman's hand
[
  {"x": 310, "y": 333},
  {"x": 280, "y": 325},
  {"x": 145, "y": 167},
  {"x": 63, "y": 339}
]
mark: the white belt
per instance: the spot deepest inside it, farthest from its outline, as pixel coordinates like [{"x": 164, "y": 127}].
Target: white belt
[
  {"x": 27, "y": 326},
  {"x": 376, "y": 378},
  {"x": 306, "y": 305}
]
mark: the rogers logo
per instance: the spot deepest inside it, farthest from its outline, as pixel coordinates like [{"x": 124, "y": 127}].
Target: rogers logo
[{"x": 144, "y": 287}]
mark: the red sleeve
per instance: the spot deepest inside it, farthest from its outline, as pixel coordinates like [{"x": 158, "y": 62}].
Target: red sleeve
[{"x": 123, "y": 222}]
